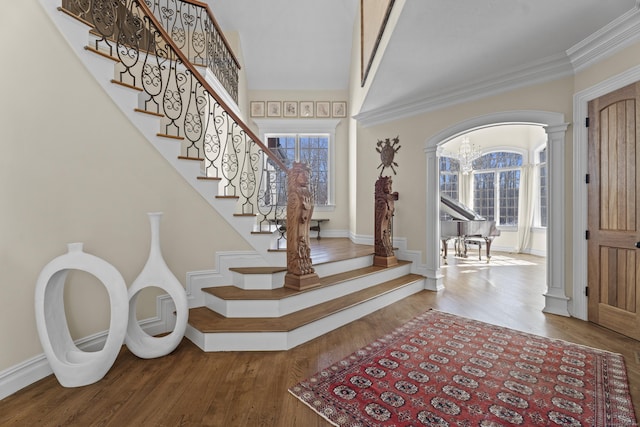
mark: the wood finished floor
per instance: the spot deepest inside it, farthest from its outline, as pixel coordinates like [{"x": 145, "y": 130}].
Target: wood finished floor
[{"x": 192, "y": 388}]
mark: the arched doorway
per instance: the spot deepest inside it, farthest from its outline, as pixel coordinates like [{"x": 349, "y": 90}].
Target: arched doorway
[{"x": 556, "y": 301}]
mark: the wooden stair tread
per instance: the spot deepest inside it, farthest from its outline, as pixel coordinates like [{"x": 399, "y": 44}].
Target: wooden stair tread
[
  {"x": 236, "y": 293},
  {"x": 208, "y": 321},
  {"x": 337, "y": 252},
  {"x": 101, "y": 53},
  {"x": 258, "y": 270},
  {"x": 152, "y": 113},
  {"x": 164, "y": 135},
  {"x": 127, "y": 85}
]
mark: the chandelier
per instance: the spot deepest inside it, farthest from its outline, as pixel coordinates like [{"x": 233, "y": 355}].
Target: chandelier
[{"x": 467, "y": 154}]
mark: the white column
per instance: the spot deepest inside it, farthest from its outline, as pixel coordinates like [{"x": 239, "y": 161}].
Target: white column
[
  {"x": 556, "y": 301},
  {"x": 434, "y": 277}
]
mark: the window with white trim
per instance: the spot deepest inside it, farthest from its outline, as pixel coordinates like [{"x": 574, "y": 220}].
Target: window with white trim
[
  {"x": 312, "y": 149},
  {"x": 449, "y": 180},
  {"x": 449, "y": 176},
  {"x": 543, "y": 211},
  {"x": 496, "y": 186},
  {"x": 301, "y": 140}
]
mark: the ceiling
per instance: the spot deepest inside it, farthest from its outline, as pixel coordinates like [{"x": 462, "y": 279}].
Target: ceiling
[{"x": 439, "y": 49}]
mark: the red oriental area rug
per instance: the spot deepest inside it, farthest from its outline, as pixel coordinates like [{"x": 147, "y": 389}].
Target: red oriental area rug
[{"x": 444, "y": 370}]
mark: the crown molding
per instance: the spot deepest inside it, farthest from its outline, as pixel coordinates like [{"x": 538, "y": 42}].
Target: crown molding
[
  {"x": 547, "y": 69},
  {"x": 620, "y": 33}
]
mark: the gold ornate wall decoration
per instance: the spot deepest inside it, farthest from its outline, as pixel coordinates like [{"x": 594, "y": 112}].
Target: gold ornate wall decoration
[{"x": 388, "y": 150}]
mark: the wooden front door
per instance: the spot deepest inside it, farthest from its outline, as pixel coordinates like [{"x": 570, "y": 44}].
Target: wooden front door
[{"x": 614, "y": 223}]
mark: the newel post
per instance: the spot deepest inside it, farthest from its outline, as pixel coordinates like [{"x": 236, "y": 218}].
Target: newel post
[{"x": 300, "y": 273}]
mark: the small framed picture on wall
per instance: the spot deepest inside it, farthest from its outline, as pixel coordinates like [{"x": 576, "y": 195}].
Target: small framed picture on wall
[
  {"x": 273, "y": 109},
  {"x": 290, "y": 109},
  {"x": 257, "y": 108},
  {"x": 306, "y": 108},
  {"x": 323, "y": 109},
  {"x": 339, "y": 109}
]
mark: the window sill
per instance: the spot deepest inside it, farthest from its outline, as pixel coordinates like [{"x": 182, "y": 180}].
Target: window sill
[
  {"x": 324, "y": 208},
  {"x": 508, "y": 228}
]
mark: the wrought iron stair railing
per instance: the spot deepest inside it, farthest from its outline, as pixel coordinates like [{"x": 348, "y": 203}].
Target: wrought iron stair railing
[
  {"x": 194, "y": 30},
  {"x": 171, "y": 86}
]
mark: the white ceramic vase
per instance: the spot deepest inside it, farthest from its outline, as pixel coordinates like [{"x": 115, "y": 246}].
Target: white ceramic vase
[
  {"x": 156, "y": 273},
  {"x": 72, "y": 366}
]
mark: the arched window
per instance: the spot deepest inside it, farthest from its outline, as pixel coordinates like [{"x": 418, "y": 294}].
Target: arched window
[{"x": 496, "y": 186}]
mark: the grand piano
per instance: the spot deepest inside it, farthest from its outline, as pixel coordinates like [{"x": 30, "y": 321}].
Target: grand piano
[{"x": 466, "y": 227}]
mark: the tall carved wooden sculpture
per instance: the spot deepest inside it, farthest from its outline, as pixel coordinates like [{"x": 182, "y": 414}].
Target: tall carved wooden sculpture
[
  {"x": 300, "y": 273},
  {"x": 384, "y": 208},
  {"x": 385, "y": 205}
]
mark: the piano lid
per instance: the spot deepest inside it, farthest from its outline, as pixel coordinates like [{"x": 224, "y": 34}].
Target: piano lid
[{"x": 457, "y": 210}]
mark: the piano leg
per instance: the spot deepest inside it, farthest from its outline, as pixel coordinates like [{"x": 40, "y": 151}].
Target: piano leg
[
  {"x": 488, "y": 240},
  {"x": 458, "y": 245},
  {"x": 444, "y": 251}
]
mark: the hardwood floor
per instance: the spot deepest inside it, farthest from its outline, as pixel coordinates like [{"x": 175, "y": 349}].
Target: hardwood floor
[{"x": 192, "y": 388}]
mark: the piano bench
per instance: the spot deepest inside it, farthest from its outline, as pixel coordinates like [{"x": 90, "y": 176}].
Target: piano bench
[{"x": 475, "y": 241}]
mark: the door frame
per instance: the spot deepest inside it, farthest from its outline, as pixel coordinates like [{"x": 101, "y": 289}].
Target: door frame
[
  {"x": 579, "y": 303},
  {"x": 556, "y": 301}
]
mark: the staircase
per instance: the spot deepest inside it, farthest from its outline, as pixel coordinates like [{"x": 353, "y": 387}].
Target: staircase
[
  {"x": 210, "y": 146},
  {"x": 235, "y": 319}
]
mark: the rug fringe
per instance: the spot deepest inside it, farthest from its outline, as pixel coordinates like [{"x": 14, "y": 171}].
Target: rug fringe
[{"x": 313, "y": 409}]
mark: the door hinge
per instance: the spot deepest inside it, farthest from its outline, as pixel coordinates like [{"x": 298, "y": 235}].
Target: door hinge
[
  {"x": 586, "y": 122},
  {"x": 587, "y": 178},
  {"x": 587, "y": 235},
  {"x": 586, "y": 291}
]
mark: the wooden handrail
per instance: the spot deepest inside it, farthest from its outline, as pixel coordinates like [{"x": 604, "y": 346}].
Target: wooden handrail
[{"x": 187, "y": 63}]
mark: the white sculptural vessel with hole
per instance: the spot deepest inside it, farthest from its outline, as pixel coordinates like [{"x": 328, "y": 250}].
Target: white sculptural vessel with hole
[
  {"x": 156, "y": 273},
  {"x": 74, "y": 367}
]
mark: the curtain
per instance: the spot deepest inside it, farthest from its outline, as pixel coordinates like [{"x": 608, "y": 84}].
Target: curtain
[
  {"x": 528, "y": 201},
  {"x": 466, "y": 189}
]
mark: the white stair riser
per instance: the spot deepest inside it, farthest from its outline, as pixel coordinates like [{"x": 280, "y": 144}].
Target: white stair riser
[
  {"x": 277, "y": 341},
  {"x": 335, "y": 267},
  {"x": 259, "y": 281},
  {"x": 276, "y": 280},
  {"x": 321, "y": 327},
  {"x": 278, "y": 308}
]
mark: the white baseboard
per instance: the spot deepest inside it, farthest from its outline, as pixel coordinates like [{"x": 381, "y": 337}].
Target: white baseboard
[{"x": 32, "y": 370}]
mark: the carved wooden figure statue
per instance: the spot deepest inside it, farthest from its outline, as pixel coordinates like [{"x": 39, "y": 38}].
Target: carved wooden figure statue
[
  {"x": 384, "y": 208},
  {"x": 300, "y": 272}
]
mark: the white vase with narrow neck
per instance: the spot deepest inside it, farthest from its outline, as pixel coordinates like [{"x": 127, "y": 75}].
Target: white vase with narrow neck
[{"x": 156, "y": 273}]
